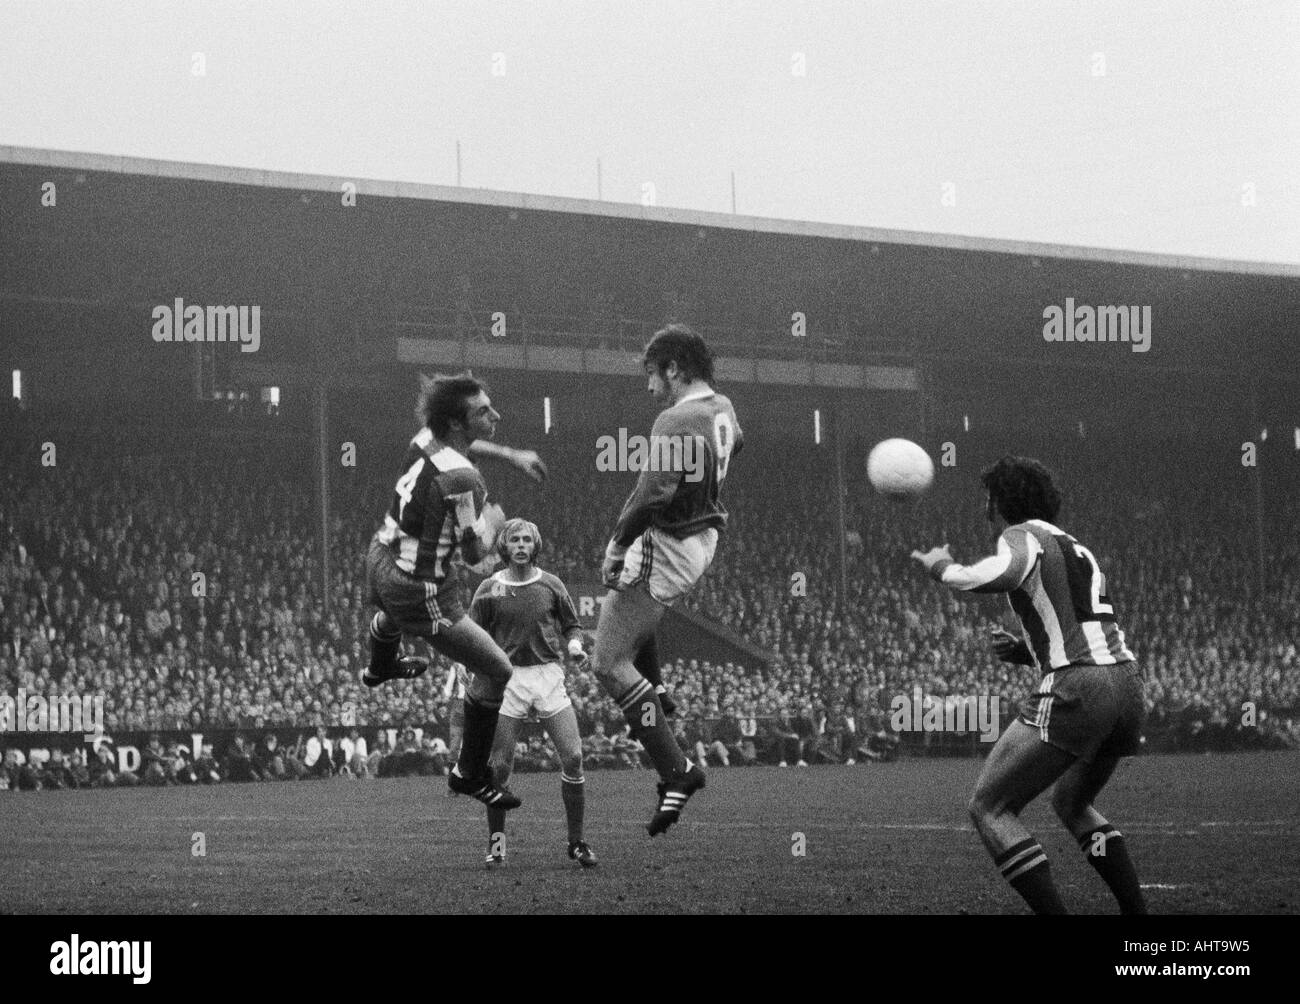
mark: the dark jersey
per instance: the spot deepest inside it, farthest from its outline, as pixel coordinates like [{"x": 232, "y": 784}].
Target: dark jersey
[
  {"x": 1056, "y": 589},
  {"x": 527, "y": 619},
  {"x": 678, "y": 489},
  {"x": 437, "y": 508}
]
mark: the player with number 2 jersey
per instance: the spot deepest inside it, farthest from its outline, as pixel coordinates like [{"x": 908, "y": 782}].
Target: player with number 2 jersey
[{"x": 1088, "y": 709}]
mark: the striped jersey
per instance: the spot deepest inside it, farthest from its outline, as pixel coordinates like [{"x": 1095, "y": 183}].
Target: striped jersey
[
  {"x": 530, "y": 620},
  {"x": 677, "y": 491},
  {"x": 437, "y": 505},
  {"x": 1056, "y": 589}
]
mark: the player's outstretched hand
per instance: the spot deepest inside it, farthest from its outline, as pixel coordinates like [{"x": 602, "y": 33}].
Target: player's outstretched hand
[
  {"x": 1009, "y": 648},
  {"x": 933, "y": 556},
  {"x": 530, "y": 463}
]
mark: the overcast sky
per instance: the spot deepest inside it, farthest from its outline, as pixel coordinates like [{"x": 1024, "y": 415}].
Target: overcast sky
[{"x": 1111, "y": 123}]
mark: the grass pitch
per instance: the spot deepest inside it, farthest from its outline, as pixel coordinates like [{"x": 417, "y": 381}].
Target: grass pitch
[{"x": 1209, "y": 834}]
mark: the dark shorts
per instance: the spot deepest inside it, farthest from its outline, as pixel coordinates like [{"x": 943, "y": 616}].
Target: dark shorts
[
  {"x": 1089, "y": 711},
  {"x": 417, "y": 606}
]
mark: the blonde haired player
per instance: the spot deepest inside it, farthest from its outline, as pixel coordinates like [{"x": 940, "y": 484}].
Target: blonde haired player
[{"x": 527, "y": 611}]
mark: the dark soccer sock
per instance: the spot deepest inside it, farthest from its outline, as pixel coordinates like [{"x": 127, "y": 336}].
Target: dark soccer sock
[
  {"x": 644, "y": 713},
  {"x": 572, "y": 792},
  {"x": 496, "y": 819},
  {"x": 1106, "y": 851},
  {"x": 1025, "y": 867},
  {"x": 646, "y": 661},
  {"x": 480, "y": 729},
  {"x": 384, "y": 647}
]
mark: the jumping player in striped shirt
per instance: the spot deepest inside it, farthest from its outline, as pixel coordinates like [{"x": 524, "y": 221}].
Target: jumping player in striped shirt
[
  {"x": 1088, "y": 710},
  {"x": 439, "y": 508},
  {"x": 662, "y": 545}
]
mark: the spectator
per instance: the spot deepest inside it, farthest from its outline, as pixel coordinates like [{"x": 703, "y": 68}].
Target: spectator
[
  {"x": 268, "y": 759},
  {"x": 628, "y": 752},
  {"x": 316, "y": 755},
  {"x": 155, "y": 766},
  {"x": 239, "y": 764},
  {"x": 598, "y": 748},
  {"x": 783, "y": 738}
]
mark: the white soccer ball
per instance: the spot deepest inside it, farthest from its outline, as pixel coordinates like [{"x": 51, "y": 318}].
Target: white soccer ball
[{"x": 899, "y": 468}]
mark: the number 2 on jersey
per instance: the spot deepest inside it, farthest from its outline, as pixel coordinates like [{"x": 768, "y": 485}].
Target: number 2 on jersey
[{"x": 1084, "y": 573}]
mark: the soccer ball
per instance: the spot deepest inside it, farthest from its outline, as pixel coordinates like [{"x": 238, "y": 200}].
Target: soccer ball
[{"x": 900, "y": 469}]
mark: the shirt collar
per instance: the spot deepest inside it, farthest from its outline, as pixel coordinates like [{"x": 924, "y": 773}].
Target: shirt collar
[
  {"x": 446, "y": 458},
  {"x": 506, "y": 580},
  {"x": 695, "y": 395}
]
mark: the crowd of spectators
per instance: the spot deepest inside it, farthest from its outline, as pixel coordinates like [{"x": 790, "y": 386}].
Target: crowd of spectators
[{"x": 185, "y": 590}]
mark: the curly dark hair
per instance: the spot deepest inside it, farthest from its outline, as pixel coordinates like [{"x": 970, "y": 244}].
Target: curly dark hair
[
  {"x": 1021, "y": 488},
  {"x": 445, "y": 399},
  {"x": 680, "y": 343}
]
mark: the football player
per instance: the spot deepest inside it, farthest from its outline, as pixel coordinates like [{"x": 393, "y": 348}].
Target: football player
[
  {"x": 1088, "y": 710},
  {"x": 439, "y": 508},
  {"x": 527, "y": 611},
  {"x": 662, "y": 545}
]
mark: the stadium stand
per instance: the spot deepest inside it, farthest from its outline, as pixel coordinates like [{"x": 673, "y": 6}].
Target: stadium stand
[{"x": 98, "y": 554}]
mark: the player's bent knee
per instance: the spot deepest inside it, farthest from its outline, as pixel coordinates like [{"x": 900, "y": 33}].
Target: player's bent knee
[
  {"x": 1066, "y": 806},
  {"x": 572, "y": 766},
  {"x": 498, "y": 670},
  {"x": 601, "y": 664},
  {"x": 979, "y": 808}
]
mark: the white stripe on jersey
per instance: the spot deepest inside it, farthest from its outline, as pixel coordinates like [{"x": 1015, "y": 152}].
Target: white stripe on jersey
[
  {"x": 445, "y": 545},
  {"x": 390, "y": 533},
  {"x": 1047, "y": 614},
  {"x": 445, "y": 459},
  {"x": 988, "y": 571},
  {"x": 406, "y": 552},
  {"x": 1095, "y": 635},
  {"x": 448, "y": 459}
]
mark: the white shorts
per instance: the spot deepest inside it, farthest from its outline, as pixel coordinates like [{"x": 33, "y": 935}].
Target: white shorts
[
  {"x": 536, "y": 688},
  {"x": 667, "y": 566}
]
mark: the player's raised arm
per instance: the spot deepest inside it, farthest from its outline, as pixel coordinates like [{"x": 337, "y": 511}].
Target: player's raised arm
[
  {"x": 527, "y": 461},
  {"x": 998, "y": 573}
]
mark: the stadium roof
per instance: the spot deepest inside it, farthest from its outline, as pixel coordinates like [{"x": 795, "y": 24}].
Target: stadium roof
[
  {"x": 349, "y": 285},
  {"x": 69, "y": 160}
]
